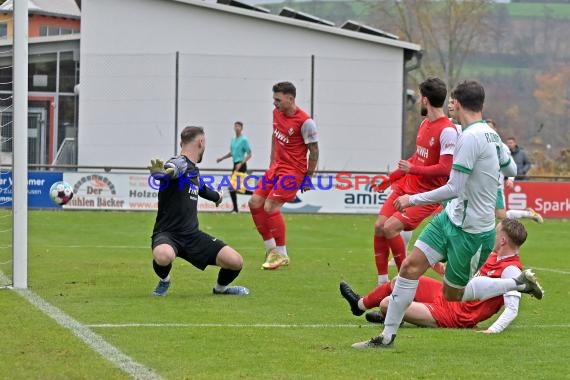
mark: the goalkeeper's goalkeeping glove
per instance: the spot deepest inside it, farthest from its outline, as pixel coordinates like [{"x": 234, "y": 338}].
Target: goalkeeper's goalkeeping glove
[
  {"x": 221, "y": 192},
  {"x": 157, "y": 166}
]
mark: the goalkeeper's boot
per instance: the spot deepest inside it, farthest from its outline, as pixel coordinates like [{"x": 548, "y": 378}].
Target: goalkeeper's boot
[
  {"x": 351, "y": 297},
  {"x": 531, "y": 285},
  {"x": 161, "y": 288},
  {"x": 376, "y": 342},
  {"x": 233, "y": 290},
  {"x": 274, "y": 260},
  {"x": 535, "y": 216}
]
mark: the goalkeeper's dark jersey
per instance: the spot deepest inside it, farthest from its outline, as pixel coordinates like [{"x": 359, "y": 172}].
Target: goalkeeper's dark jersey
[{"x": 178, "y": 198}]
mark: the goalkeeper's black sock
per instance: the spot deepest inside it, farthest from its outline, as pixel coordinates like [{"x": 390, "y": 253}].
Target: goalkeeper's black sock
[
  {"x": 161, "y": 271},
  {"x": 226, "y": 276}
]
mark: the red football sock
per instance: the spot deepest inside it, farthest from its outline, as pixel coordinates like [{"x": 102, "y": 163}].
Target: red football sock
[
  {"x": 372, "y": 299},
  {"x": 260, "y": 219},
  {"x": 276, "y": 225},
  {"x": 381, "y": 252},
  {"x": 398, "y": 249}
]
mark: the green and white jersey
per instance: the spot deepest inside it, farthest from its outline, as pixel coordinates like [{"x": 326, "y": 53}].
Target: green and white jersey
[{"x": 480, "y": 154}]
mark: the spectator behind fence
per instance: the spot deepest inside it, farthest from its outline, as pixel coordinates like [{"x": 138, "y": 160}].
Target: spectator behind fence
[{"x": 520, "y": 157}]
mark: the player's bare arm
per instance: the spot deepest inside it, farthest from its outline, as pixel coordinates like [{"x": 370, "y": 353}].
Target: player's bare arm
[
  {"x": 313, "y": 158},
  {"x": 312, "y": 164},
  {"x": 220, "y": 159}
]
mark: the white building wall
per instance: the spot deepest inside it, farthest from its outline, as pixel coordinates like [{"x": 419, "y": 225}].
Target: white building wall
[{"x": 228, "y": 63}]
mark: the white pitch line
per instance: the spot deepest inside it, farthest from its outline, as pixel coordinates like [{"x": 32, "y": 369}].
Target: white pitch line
[
  {"x": 269, "y": 325},
  {"x": 241, "y": 248},
  {"x": 551, "y": 270},
  {"x": 94, "y": 341},
  {"x": 540, "y": 326},
  {"x": 229, "y": 325}
]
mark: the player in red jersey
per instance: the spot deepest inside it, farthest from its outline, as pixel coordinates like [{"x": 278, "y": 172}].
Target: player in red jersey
[
  {"x": 427, "y": 169},
  {"x": 431, "y": 309},
  {"x": 294, "y": 134}
]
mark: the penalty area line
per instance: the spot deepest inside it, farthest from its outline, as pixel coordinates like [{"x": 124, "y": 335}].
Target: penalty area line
[{"x": 93, "y": 340}]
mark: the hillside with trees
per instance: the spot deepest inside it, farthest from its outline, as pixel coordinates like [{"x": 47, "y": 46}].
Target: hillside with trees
[{"x": 520, "y": 51}]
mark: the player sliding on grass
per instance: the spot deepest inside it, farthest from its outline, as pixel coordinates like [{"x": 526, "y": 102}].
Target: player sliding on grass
[
  {"x": 431, "y": 309},
  {"x": 176, "y": 232},
  {"x": 294, "y": 134},
  {"x": 464, "y": 233},
  {"x": 427, "y": 169}
]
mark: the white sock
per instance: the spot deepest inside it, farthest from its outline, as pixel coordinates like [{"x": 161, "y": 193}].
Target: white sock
[
  {"x": 407, "y": 236},
  {"x": 383, "y": 278},
  {"x": 402, "y": 296},
  {"x": 517, "y": 214},
  {"x": 167, "y": 279},
  {"x": 219, "y": 288},
  {"x": 269, "y": 244},
  {"x": 282, "y": 250},
  {"x": 361, "y": 304},
  {"x": 482, "y": 288}
]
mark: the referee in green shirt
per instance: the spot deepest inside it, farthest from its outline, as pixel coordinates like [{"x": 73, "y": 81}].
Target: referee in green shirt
[{"x": 240, "y": 152}]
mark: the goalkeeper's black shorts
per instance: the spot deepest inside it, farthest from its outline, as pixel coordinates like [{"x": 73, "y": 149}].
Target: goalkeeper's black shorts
[{"x": 198, "y": 248}]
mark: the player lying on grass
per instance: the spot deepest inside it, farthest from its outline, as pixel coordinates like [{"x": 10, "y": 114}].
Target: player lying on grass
[
  {"x": 464, "y": 234},
  {"x": 431, "y": 309},
  {"x": 176, "y": 232}
]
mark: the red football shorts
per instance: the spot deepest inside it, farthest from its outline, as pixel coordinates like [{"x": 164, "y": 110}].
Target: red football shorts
[
  {"x": 445, "y": 314},
  {"x": 282, "y": 187},
  {"x": 410, "y": 217}
]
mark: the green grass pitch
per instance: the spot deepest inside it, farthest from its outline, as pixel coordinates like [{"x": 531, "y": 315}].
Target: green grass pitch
[{"x": 96, "y": 268}]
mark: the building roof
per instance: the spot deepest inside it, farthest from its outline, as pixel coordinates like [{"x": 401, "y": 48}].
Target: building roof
[
  {"x": 59, "y": 8},
  {"x": 360, "y": 35}
]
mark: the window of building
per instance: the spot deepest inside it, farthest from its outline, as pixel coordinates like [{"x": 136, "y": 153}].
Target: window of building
[
  {"x": 54, "y": 31},
  {"x": 5, "y": 74},
  {"x": 68, "y": 71},
  {"x": 42, "y": 71},
  {"x": 67, "y": 118},
  {"x": 3, "y": 31}
]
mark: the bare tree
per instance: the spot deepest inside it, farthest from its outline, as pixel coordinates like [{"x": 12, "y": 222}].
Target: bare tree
[
  {"x": 553, "y": 97},
  {"x": 447, "y": 30}
]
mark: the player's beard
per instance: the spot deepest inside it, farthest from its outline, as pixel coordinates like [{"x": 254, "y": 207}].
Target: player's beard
[
  {"x": 200, "y": 157},
  {"x": 423, "y": 111}
]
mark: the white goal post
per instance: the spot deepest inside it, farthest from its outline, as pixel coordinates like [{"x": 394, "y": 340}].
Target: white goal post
[{"x": 20, "y": 160}]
